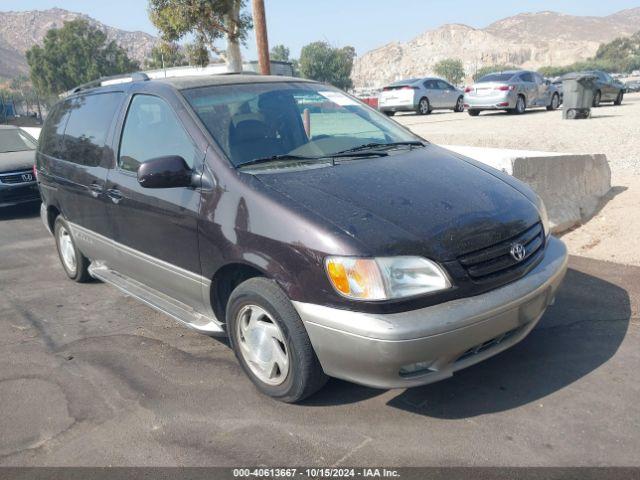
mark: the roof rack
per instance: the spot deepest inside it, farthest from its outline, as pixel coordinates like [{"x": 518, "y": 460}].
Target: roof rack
[{"x": 105, "y": 81}]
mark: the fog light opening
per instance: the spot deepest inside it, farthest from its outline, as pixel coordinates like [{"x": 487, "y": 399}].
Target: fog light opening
[{"x": 418, "y": 368}]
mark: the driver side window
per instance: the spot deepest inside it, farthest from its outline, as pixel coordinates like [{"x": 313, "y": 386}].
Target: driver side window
[{"x": 153, "y": 130}]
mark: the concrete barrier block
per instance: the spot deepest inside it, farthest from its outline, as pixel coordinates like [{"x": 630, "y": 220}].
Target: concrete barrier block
[{"x": 572, "y": 186}]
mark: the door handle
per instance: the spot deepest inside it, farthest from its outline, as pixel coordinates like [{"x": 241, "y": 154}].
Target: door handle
[
  {"x": 95, "y": 189},
  {"x": 115, "y": 195}
]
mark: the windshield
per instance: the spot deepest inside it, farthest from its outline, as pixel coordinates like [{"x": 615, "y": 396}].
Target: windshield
[
  {"x": 294, "y": 119},
  {"x": 496, "y": 77},
  {"x": 15, "y": 140}
]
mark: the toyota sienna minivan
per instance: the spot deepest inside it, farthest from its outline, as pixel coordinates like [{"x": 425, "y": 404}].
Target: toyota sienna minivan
[{"x": 323, "y": 238}]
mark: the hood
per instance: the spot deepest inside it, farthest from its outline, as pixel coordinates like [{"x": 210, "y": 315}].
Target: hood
[
  {"x": 426, "y": 202},
  {"x": 12, "y": 161}
]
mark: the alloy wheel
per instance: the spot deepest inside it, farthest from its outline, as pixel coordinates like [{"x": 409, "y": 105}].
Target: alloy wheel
[{"x": 424, "y": 106}]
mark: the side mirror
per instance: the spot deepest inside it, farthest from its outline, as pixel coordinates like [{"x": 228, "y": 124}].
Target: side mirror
[{"x": 165, "y": 172}]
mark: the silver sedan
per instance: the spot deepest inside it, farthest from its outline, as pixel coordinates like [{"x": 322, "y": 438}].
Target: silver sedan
[
  {"x": 420, "y": 95},
  {"x": 513, "y": 91}
]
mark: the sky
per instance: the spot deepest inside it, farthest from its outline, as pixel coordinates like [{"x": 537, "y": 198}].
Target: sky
[{"x": 364, "y": 24}]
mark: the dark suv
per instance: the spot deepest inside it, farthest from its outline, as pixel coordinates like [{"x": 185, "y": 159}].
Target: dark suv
[{"x": 322, "y": 237}]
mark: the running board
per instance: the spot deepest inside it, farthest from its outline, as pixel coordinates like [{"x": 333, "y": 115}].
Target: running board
[{"x": 158, "y": 301}]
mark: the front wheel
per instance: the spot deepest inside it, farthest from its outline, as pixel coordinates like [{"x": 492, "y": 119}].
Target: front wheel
[
  {"x": 389, "y": 113},
  {"x": 75, "y": 264},
  {"x": 618, "y": 100},
  {"x": 271, "y": 342},
  {"x": 555, "y": 102}
]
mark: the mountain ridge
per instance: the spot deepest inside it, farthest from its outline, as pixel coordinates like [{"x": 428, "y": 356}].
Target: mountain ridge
[
  {"x": 529, "y": 40},
  {"x": 21, "y": 30}
]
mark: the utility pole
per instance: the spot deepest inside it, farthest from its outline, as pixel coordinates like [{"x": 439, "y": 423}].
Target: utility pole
[{"x": 260, "y": 25}]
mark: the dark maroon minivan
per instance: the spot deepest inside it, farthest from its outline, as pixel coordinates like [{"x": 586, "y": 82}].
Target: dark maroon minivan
[{"x": 322, "y": 237}]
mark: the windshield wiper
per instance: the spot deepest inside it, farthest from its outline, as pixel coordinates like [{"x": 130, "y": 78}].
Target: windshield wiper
[
  {"x": 320, "y": 158},
  {"x": 277, "y": 158},
  {"x": 374, "y": 146}
]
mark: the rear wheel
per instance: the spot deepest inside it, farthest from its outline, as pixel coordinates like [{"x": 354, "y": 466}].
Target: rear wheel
[
  {"x": 389, "y": 113},
  {"x": 618, "y": 100},
  {"x": 473, "y": 113},
  {"x": 555, "y": 102},
  {"x": 271, "y": 342},
  {"x": 597, "y": 99},
  {"x": 521, "y": 105},
  {"x": 424, "y": 107},
  {"x": 75, "y": 264},
  {"x": 459, "y": 105}
]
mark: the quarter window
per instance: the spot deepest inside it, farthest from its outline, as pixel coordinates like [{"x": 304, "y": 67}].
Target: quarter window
[
  {"x": 153, "y": 130},
  {"x": 86, "y": 134},
  {"x": 52, "y": 136}
]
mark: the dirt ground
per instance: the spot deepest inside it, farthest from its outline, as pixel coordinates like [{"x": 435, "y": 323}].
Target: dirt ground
[{"x": 612, "y": 234}]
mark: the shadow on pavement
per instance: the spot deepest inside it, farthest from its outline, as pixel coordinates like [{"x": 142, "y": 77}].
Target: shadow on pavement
[
  {"x": 27, "y": 210},
  {"x": 577, "y": 335}
]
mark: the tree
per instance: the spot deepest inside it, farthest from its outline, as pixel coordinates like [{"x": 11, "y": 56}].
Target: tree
[
  {"x": 487, "y": 69},
  {"x": 320, "y": 61},
  {"x": 207, "y": 21},
  {"x": 166, "y": 55},
  {"x": 75, "y": 54},
  {"x": 451, "y": 69},
  {"x": 279, "y": 53}
]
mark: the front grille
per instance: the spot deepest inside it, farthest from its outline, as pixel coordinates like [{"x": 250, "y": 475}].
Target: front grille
[
  {"x": 496, "y": 262},
  {"x": 13, "y": 178}
]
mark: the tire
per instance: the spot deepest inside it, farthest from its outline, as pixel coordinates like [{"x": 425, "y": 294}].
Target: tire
[
  {"x": 521, "y": 105},
  {"x": 424, "y": 107},
  {"x": 555, "y": 102},
  {"x": 389, "y": 113},
  {"x": 597, "y": 99},
  {"x": 279, "y": 332},
  {"x": 618, "y": 100},
  {"x": 75, "y": 264},
  {"x": 459, "y": 105},
  {"x": 473, "y": 113}
]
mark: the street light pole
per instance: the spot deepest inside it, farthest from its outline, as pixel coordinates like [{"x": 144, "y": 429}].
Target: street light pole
[{"x": 260, "y": 25}]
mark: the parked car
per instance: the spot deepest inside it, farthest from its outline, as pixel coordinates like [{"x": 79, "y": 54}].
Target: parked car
[
  {"x": 632, "y": 87},
  {"x": 17, "y": 155},
  {"x": 336, "y": 243},
  {"x": 608, "y": 89},
  {"x": 420, "y": 95},
  {"x": 513, "y": 91}
]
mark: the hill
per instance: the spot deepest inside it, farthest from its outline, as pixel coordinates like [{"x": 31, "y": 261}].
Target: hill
[
  {"x": 19, "y": 31},
  {"x": 530, "y": 40}
]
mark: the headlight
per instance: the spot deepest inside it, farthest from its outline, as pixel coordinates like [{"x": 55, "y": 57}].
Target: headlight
[
  {"x": 385, "y": 278},
  {"x": 544, "y": 217}
]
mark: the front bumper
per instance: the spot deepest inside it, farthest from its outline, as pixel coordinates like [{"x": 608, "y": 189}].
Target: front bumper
[
  {"x": 498, "y": 101},
  {"x": 17, "y": 194},
  {"x": 373, "y": 349}
]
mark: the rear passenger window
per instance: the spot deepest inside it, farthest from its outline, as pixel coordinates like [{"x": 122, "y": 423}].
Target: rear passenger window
[
  {"x": 153, "y": 130},
  {"x": 52, "y": 137},
  {"x": 526, "y": 77},
  {"x": 88, "y": 126}
]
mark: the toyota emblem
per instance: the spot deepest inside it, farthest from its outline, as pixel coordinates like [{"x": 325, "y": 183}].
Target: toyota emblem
[{"x": 518, "y": 252}]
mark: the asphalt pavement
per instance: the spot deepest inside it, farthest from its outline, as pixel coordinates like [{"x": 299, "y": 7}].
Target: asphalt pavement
[{"x": 91, "y": 377}]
